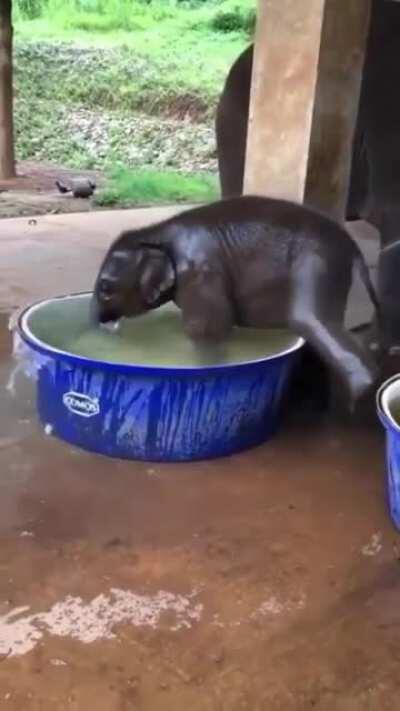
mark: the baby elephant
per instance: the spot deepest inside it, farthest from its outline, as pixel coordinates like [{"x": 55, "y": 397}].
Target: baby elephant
[{"x": 249, "y": 261}]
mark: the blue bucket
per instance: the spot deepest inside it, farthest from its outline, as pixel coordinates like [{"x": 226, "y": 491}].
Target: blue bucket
[
  {"x": 155, "y": 413},
  {"x": 387, "y": 394}
]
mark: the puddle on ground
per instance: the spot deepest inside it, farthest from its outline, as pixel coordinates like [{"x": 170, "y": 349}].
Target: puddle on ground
[{"x": 17, "y": 407}]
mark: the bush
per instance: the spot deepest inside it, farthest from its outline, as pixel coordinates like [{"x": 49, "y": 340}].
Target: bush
[
  {"x": 235, "y": 19},
  {"x": 30, "y": 9},
  {"x": 249, "y": 23}
]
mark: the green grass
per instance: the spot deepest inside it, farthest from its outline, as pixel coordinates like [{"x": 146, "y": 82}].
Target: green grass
[
  {"x": 126, "y": 15},
  {"x": 147, "y": 187},
  {"x": 164, "y": 57},
  {"x": 120, "y": 78},
  {"x": 108, "y": 82},
  {"x": 151, "y": 25}
]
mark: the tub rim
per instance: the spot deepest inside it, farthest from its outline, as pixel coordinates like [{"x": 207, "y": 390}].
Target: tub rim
[
  {"x": 382, "y": 406},
  {"x": 131, "y": 368}
]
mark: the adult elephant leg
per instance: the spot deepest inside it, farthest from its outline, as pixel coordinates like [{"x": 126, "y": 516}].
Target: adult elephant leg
[
  {"x": 380, "y": 114},
  {"x": 231, "y": 124},
  {"x": 385, "y": 215},
  {"x": 389, "y": 278},
  {"x": 359, "y": 178},
  {"x": 231, "y": 133}
]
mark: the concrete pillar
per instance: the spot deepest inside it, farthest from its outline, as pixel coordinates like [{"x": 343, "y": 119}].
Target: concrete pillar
[{"x": 306, "y": 83}]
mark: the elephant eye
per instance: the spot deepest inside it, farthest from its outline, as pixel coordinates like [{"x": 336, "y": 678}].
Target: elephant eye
[{"x": 107, "y": 287}]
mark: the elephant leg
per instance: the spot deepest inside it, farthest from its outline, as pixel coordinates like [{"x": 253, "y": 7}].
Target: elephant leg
[
  {"x": 231, "y": 133},
  {"x": 317, "y": 314},
  {"x": 385, "y": 215},
  {"x": 353, "y": 366},
  {"x": 359, "y": 178},
  {"x": 380, "y": 115},
  {"x": 207, "y": 311},
  {"x": 231, "y": 124},
  {"x": 389, "y": 293}
]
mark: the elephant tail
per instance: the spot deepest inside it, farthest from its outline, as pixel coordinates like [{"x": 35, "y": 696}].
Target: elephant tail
[{"x": 363, "y": 271}]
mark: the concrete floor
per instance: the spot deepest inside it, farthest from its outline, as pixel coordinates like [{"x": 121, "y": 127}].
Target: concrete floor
[{"x": 268, "y": 581}]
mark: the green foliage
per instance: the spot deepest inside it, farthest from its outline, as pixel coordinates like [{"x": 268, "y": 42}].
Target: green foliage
[
  {"x": 121, "y": 16},
  {"x": 146, "y": 187},
  {"x": 170, "y": 56},
  {"x": 42, "y": 134},
  {"x": 63, "y": 118},
  {"x": 128, "y": 82},
  {"x": 234, "y": 18},
  {"x": 30, "y": 8},
  {"x": 118, "y": 78}
]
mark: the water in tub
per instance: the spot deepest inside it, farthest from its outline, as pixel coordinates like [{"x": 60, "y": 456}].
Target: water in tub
[{"x": 156, "y": 338}]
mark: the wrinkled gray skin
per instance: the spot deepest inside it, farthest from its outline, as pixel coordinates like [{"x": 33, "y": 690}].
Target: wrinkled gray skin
[
  {"x": 375, "y": 179},
  {"x": 248, "y": 261}
]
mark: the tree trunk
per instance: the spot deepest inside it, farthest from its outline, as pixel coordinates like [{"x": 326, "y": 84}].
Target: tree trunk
[{"x": 7, "y": 159}]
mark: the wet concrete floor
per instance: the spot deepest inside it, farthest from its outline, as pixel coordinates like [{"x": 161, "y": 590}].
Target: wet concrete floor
[{"x": 267, "y": 581}]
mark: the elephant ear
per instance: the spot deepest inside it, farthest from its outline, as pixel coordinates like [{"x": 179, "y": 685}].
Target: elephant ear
[{"x": 157, "y": 276}]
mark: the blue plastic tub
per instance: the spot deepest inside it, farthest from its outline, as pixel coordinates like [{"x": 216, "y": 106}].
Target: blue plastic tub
[
  {"x": 387, "y": 395},
  {"x": 154, "y": 413}
]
